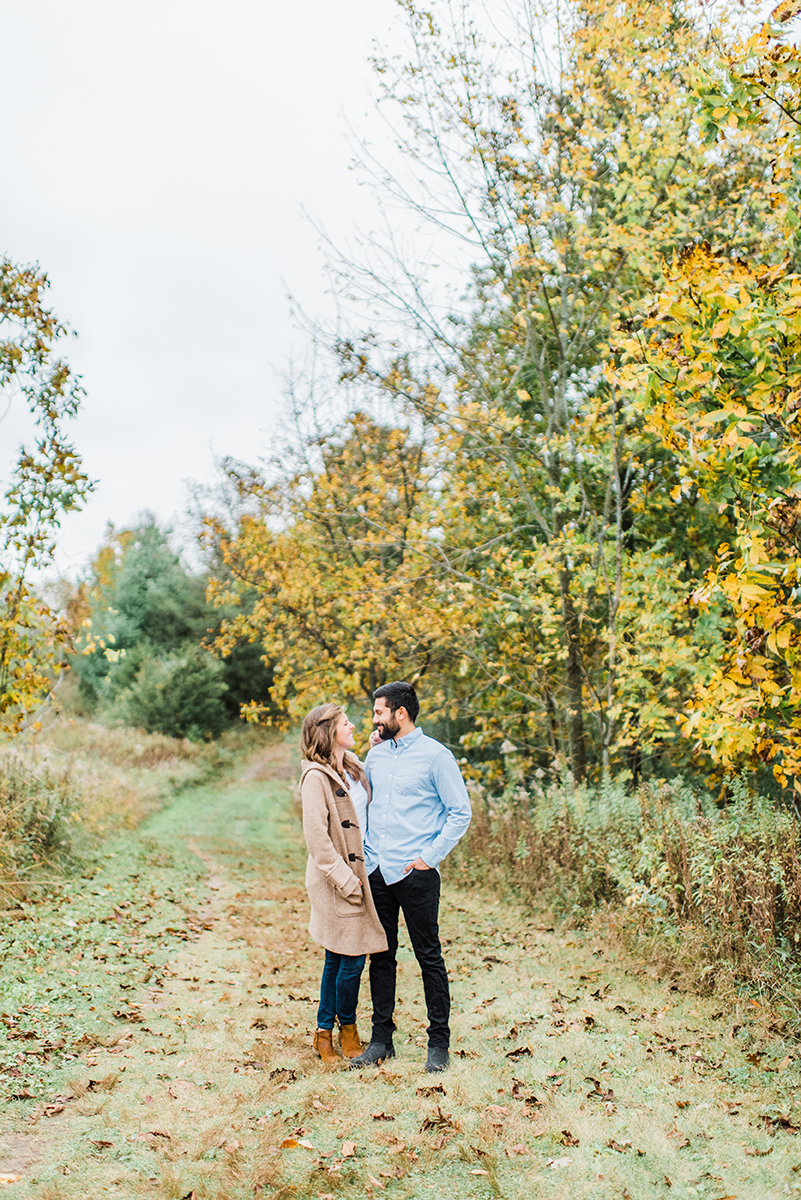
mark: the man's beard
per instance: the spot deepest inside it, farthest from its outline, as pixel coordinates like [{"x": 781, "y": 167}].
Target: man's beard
[{"x": 388, "y": 729}]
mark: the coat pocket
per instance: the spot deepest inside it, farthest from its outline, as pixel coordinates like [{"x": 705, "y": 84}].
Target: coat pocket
[{"x": 352, "y": 906}]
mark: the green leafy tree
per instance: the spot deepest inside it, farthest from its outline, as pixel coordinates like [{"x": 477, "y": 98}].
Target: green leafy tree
[
  {"x": 180, "y": 693},
  {"x": 144, "y": 659}
]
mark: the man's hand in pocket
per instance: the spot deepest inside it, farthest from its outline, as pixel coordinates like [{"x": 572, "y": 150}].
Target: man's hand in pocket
[{"x": 417, "y": 865}]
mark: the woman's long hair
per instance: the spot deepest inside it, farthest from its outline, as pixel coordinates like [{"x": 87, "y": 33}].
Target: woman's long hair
[{"x": 318, "y": 738}]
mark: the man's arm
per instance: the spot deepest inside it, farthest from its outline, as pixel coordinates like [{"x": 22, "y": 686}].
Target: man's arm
[{"x": 452, "y": 792}]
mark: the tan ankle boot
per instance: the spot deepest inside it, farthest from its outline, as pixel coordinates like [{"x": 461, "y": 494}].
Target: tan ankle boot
[
  {"x": 324, "y": 1045},
  {"x": 349, "y": 1042}
]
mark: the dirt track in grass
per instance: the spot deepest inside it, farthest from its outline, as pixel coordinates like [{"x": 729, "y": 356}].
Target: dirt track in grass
[{"x": 575, "y": 1073}]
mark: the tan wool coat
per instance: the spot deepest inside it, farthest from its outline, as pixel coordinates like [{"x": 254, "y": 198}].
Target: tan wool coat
[{"x": 343, "y": 916}]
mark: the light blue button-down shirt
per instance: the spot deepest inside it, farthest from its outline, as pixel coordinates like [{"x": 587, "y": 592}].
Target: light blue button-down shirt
[{"x": 419, "y": 808}]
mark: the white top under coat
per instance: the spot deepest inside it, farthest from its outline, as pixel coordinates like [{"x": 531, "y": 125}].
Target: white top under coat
[{"x": 358, "y": 794}]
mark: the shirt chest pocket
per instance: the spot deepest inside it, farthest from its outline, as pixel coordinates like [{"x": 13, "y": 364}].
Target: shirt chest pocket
[{"x": 415, "y": 782}]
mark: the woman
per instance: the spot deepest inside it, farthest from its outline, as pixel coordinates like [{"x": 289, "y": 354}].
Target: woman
[{"x": 335, "y": 795}]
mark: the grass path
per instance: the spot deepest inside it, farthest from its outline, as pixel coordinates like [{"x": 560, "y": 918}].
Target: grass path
[{"x": 575, "y": 1073}]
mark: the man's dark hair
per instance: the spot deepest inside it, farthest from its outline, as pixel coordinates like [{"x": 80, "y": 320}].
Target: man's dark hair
[{"x": 399, "y": 695}]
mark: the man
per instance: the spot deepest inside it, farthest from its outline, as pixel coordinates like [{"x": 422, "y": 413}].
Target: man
[{"x": 418, "y": 812}]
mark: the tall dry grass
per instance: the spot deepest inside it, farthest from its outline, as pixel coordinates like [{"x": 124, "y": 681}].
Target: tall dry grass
[
  {"x": 720, "y": 887},
  {"x": 75, "y": 782}
]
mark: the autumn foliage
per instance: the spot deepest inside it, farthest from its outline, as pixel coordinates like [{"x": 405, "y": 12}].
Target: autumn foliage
[
  {"x": 569, "y": 505},
  {"x": 46, "y": 481}
]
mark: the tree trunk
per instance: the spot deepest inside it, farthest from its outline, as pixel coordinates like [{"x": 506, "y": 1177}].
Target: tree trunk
[{"x": 573, "y": 681}]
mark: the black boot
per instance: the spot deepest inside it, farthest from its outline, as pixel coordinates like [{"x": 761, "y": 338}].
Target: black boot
[
  {"x": 375, "y": 1053},
  {"x": 438, "y": 1059}
]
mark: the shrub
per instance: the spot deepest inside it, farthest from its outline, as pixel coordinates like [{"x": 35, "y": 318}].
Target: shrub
[
  {"x": 38, "y": 806},
  {"x": 666, "y": 853},
  {"x": 179, "y": 695}
]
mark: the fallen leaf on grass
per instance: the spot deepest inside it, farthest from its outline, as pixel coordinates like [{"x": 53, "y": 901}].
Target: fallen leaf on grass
[
  {"x": 622, "y": 1147},
  {"x": 498, "y": 1110},
  {"x": 520, "y": 1052},
  {"x": 320, "y": 1106},
  {"x": 438, "y": 1120},
  {"x": 478, "y": 1171},
  {"x": 291, "y": 1143},
  {"x": 381, "y": 1116},
  {"x": 101, "y": 1145},
  {"x": 128, "y": 1015},
  {"x": 4, "y": 1179},
  {"x": 556, "y": 1163},
  {"x": 569, "y": 1139},
  {"x": 772, "y": 1123},
  {"x": 371, "y": 1179},
  {"x": 190, "y": 1195},
  {"x": 755, "y": 1153},
  {"x": 348, "y": 1149},
  {"x": 283, "y": 1075},
  {"x": 52, "y": 1110},
  {"x": 510, "y": 1150},
  {"x": 439, "y": 1142},
  {"x": 431, "y": 1091}
]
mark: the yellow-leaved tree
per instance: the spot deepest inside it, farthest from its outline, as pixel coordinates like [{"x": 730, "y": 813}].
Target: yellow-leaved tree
[
  {"x": 540, "y": 565},
  {"x": 319, "y": 550},
  {"x": 46, "y": 481},
  {"x": 576, "y": 177},
  {"x": 722, "y": 351}
]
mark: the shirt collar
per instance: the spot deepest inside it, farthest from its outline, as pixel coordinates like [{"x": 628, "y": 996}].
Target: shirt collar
[{"x": 402, "y": 743}]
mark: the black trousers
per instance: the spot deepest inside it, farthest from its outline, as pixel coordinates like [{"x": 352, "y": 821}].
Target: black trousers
[{"x": 417, "y": 897}]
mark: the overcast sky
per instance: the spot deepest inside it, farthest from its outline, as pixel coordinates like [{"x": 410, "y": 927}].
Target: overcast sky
[{"x": 157, "y": 158}]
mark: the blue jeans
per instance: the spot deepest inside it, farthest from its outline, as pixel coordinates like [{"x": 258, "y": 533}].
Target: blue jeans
[{"x": 339, "y": 989}]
